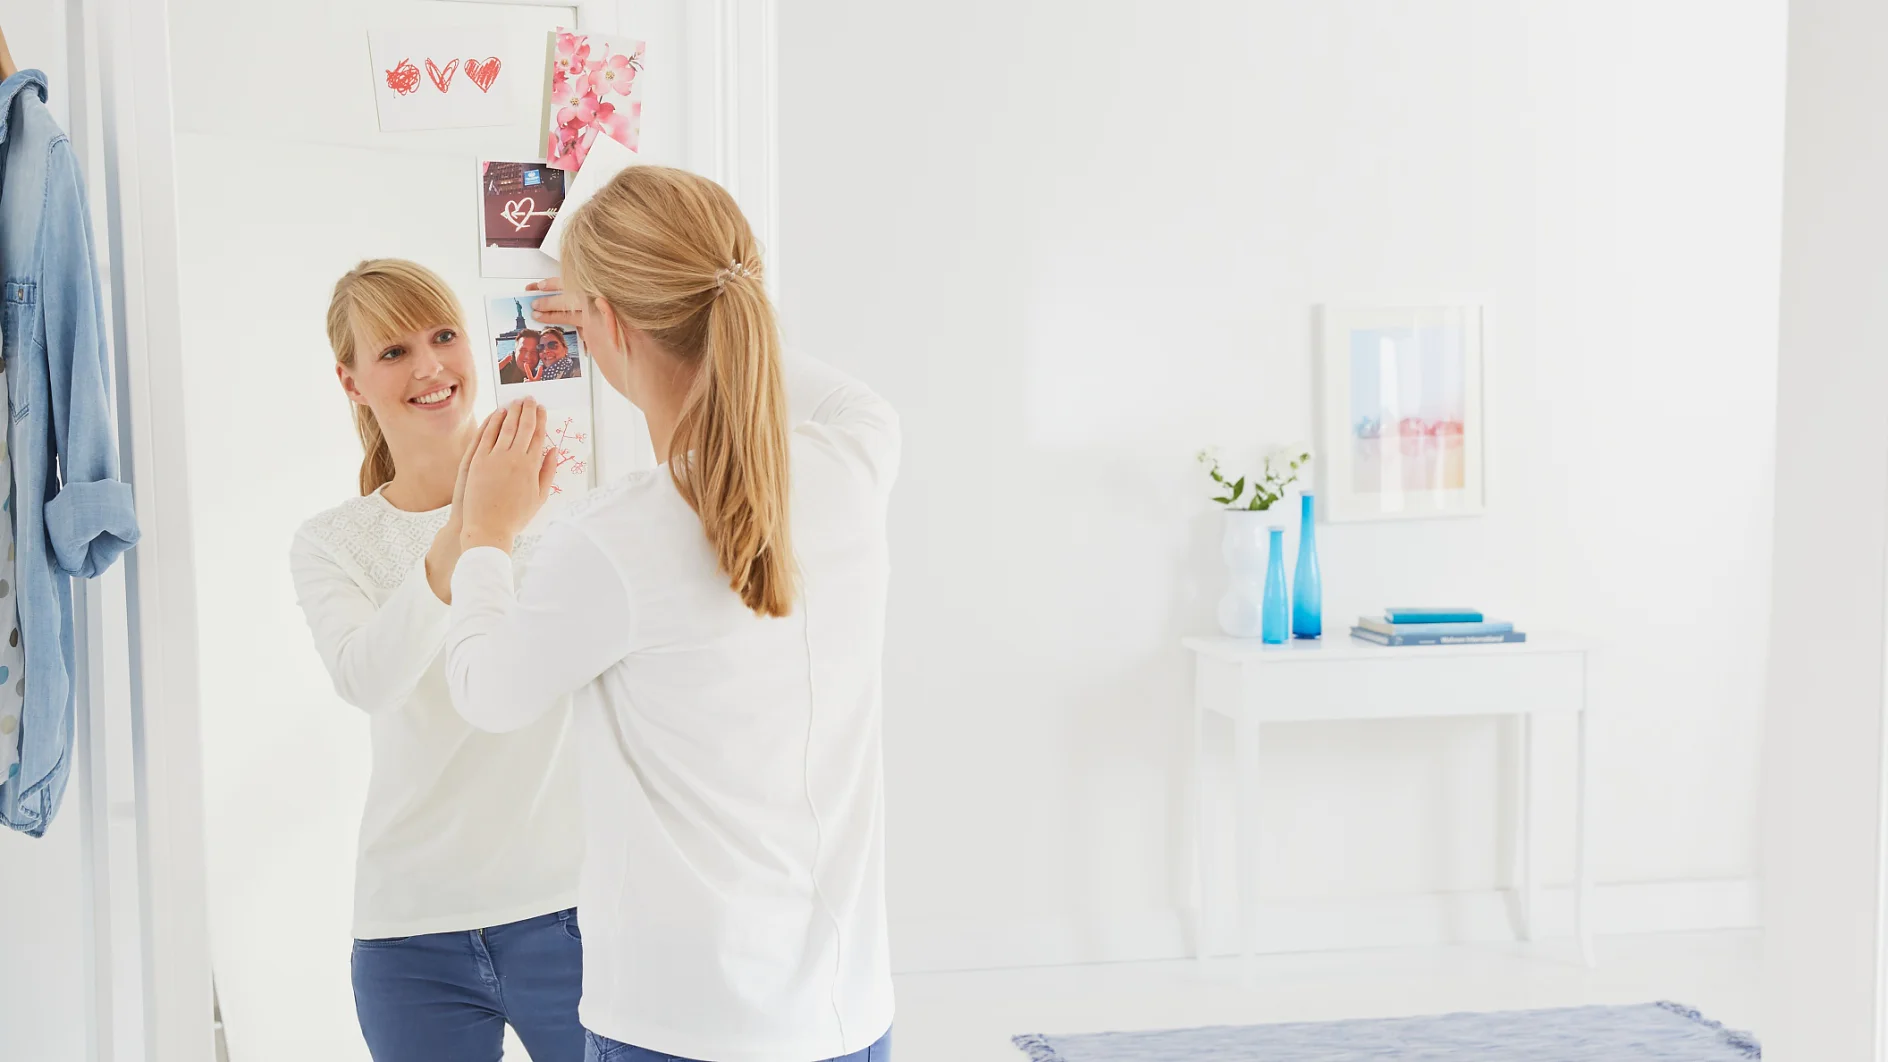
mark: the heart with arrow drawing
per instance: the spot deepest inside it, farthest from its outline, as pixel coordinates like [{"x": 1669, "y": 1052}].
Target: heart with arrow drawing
[{"x": 520, "y": 212}]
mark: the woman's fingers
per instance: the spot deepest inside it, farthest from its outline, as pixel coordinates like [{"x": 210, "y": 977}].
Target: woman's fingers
[
  {"x": 541, "y": 425},
  {"x": 508, "y": 435},
  {"x": 524, "y": 426},
  {"x": 471, "y": 450},
  {"x": 465, "y": 467},
  {"x": 508, "y": 457},
  {"x": 488, "y": 435},
  {"x": 559, "y": 307}
]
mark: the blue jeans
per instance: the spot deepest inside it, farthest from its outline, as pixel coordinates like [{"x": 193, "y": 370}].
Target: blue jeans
[
  {"x": 450, "y": 995},
  {"x": 603, "y": 1049}
]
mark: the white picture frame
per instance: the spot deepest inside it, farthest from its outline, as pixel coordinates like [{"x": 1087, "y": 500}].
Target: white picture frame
[{"x": 1402, "y": 431}]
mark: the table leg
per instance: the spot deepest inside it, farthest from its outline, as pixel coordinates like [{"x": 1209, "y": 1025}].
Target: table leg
[
  {"x": 1246, "y": 773},
  {"x": 1202, "y": 834},
  {"x": 1583, "y": 874},
  {"x": 1524, "y": 827}
]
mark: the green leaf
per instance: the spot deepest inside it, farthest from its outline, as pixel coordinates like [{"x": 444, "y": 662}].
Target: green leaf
[
  {"x": 1239, "y": 487},
  {"x": 1214, "y": 472},
  {"x": 1223, "y": 501}
]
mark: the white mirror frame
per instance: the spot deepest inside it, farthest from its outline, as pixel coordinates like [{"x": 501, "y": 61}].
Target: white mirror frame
[
  {"x": 1825, "y": 748},
  {"x": 141, "y": 804}
]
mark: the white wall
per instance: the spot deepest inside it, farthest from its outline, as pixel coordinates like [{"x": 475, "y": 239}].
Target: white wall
[
  {"x": 1825, "y": 821},
  {"x": 1074, "y": 241}
]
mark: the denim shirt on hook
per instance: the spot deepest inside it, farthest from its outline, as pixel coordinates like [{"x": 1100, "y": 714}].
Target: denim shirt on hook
[{"x": 71, "y": 514}]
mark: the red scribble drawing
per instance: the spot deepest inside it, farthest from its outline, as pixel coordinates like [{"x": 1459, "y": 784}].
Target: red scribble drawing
[
  {"x": 482, "y": 72},
  {"x": 442, "y": 77},
  {"x": 404, "y": 78},
  {"x": 560, "y": 436}
]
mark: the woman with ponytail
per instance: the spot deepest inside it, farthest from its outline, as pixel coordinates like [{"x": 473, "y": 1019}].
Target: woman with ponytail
[
  {"x": 722, "y": 624},
  {"x": 466, "y": 875}
]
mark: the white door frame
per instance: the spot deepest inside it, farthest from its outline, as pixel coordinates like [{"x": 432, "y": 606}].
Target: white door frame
[
  {"x": 149, "y": 938},
  {"x": 1825, "y": 751},
  {"x": 145, "y": 870}
]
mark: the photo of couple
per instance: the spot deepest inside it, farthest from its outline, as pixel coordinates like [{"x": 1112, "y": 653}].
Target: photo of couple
[{"x": 530, "y": 352}]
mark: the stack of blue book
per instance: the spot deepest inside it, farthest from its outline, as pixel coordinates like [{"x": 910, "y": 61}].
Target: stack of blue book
[{"x": 1434, "y": 626}]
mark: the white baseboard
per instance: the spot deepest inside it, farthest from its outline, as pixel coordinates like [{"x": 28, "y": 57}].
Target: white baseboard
[{"x": 920, "y": 945}]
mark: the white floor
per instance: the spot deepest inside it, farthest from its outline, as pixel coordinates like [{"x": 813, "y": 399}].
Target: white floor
[{"x": 970, "y": 1016}]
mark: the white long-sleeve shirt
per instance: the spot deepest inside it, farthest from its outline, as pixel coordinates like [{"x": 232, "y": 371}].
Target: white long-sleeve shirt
[
  {"x": 462, "y": 829},
  {"x": 733, "y": 888}
]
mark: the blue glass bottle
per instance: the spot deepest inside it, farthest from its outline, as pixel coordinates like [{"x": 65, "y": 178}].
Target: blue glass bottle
[
  {"x": 1307, "y": 598},
  {"x": 1275, "y": 620}
]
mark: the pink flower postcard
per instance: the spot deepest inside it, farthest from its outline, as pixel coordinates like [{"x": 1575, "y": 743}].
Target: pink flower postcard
[{"x": 596, "y": 87}]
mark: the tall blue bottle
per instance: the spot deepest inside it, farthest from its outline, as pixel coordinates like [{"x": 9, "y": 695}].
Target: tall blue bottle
[
  {"x": 1307, "y": 596},
  {"x": 1273, "y": 613}
]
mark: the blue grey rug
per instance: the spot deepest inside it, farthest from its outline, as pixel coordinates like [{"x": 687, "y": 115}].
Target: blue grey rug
[{"x": 1646, "y": 1032}]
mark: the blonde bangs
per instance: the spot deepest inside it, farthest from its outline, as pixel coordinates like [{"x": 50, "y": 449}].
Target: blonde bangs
[{"x": 397, "y": 298}]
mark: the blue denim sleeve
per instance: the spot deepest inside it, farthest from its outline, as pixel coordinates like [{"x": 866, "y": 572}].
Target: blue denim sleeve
[{"x": 92, "y": 519}]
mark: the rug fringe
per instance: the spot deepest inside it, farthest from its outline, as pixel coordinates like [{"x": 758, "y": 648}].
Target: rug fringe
[
  {"x": 1037, "y": 1047},
  {"x": 1741, "y": 1041}
]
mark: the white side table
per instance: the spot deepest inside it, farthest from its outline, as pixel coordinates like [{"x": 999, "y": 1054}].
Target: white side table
[{"x": 1339, "y": 677}]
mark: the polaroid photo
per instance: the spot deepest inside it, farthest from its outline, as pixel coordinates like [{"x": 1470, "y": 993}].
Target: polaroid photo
[
  {"x": 526, "y": 352},
  {"x": 518, "y": 201}
]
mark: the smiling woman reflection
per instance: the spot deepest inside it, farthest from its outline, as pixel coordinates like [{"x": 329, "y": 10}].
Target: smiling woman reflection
[{"x": 469, "y": 844}]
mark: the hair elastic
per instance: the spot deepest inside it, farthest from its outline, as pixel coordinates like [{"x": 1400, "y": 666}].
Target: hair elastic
[{"x": 734, "y": 269}]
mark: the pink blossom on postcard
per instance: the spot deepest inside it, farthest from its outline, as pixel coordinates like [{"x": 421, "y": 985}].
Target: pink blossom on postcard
[{"x": 596, "y": 88}]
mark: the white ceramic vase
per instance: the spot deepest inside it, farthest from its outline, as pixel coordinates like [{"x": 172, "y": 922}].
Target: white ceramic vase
[{"x": 1245, "y": 546}]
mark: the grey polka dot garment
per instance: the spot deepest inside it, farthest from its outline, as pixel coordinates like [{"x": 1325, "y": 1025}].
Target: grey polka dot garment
[{"x": 12, "y": 655}]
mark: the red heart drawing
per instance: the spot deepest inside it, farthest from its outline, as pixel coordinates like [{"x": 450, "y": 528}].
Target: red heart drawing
[
  {"x": 519, "y": 211},
  {"x": 482, "y": 73},
  {"x": 442, "y": 78},
  {"x": 403, "y": 78}
]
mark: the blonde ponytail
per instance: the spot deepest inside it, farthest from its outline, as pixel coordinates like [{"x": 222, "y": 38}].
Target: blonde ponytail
[
  {"x": 672, "y": 255},
  {"x": 733, "y": 430},
  {"x": 377, "y": 466},
  {"x": 382, "y": 298}
]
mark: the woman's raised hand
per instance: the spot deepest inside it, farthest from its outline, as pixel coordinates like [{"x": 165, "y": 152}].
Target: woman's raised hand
[
  {"x": 465, "y": 467},
  {"x": 560, "y": 307},
  {"x": 508, "y": 476},
  {"x": 443, "y": 556}
]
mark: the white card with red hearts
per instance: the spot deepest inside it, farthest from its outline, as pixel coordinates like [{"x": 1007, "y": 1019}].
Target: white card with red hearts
[{"x": 452, "y": 78}]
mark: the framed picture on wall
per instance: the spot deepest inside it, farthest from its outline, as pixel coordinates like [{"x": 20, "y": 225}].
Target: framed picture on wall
[{"x": 1401, "y": 423}]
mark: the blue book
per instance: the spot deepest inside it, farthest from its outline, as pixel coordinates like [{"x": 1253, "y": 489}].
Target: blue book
[
  {"x": 1373, "y": 637},
  {"x": 1433, "y": 615},
  {"x": 1385, "y": 627}
]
